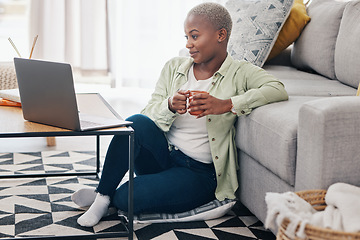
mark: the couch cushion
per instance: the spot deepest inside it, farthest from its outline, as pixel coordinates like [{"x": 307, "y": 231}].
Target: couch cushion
[
  {"x": 212, "y": 210},
  {"x": 256, "y": 25},
  {"x": 347, "y": 51},
  {"x": 269, "y": 135},
  {"x": 300, "y": 83},
  {"x": 315, "y": 48}
]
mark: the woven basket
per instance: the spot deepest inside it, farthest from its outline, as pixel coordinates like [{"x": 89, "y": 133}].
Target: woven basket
[
  {"x": 317, "y": 199},
  {"x": 7, "y": 76}
]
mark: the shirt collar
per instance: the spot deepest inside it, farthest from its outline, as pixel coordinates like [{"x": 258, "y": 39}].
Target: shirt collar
[
  {"x": 185, "y": 66},
  {"x": 226, "y": 65}
]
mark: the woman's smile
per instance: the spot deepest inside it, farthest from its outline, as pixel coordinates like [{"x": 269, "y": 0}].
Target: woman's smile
[{"x": 193, "y": 53}]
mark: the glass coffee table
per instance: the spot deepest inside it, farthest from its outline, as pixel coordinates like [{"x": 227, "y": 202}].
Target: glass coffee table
[{"x": 12, "y": 125}]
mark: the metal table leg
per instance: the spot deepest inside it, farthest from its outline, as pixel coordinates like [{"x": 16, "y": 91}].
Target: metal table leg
[
  {"x": 97, "y": 155},
  {"x": 130, "y": 225},
  {"x": 131, "y": 187}
]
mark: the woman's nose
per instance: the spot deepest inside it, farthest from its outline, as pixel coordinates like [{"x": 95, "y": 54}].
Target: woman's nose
[{"x": 189, "y": 44}]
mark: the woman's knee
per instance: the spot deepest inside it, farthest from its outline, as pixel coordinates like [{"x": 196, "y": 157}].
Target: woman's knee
[
  {"x": 146, "y": 129},
  {"x": 139, "y": 121},
  {"x": 151, "y": 146}
]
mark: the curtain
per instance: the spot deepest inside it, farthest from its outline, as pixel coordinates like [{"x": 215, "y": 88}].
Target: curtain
[
  {"x": 131, "y": 39},
  {"x": 72, "y": 31},
  {"x": 144, "y": 35}
]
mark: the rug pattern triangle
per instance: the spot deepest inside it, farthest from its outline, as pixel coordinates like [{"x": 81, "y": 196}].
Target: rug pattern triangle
[{"x": 33, "y": 207}]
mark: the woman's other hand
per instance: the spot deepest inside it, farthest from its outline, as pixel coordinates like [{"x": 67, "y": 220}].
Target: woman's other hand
[{"x": 209, "y": 105}]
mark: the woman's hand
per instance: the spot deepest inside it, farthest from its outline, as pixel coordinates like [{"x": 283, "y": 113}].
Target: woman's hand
[
  {"x": 177, "y": 103},
  {"x": 210, "y": 105}
]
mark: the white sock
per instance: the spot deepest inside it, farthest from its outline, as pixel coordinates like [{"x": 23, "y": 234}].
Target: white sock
[
  {"x": 96, "y": 211},
  {"x": 84, "y": 197}
]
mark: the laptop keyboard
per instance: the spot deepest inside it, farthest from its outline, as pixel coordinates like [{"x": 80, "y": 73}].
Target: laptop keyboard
[{"x": 89, "y": 124}]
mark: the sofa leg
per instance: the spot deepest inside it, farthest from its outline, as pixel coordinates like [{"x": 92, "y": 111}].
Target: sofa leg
[{"x": 51, "y": 141}]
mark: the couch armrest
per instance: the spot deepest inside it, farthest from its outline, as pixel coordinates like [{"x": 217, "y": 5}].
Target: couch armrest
[{"x": 328, "y": 143}]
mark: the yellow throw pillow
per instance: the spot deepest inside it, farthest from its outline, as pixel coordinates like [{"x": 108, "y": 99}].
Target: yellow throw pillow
[{"x": 292, "y": 28}]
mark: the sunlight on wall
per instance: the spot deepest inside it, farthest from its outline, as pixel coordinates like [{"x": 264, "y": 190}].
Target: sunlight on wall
[
  {"x": 149, "y": 33},
  {"x": 13, "y": 24}
]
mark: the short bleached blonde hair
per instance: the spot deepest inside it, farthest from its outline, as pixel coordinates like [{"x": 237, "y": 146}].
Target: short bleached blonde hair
[{"x": 216, "y": 14}]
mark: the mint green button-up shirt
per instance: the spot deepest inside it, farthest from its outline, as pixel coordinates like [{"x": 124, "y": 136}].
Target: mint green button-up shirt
[{"x": 247, "y": 85}]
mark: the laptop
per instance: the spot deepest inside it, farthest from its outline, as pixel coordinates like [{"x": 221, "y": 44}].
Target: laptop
[{"x": 48, "y": 96}]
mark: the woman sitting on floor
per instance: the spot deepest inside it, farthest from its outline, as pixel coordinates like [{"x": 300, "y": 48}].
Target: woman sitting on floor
[{"x": 184, "y": 161}]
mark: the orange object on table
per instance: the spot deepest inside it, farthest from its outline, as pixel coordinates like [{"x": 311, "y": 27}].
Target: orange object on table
[{"x": 4, "y": 102}]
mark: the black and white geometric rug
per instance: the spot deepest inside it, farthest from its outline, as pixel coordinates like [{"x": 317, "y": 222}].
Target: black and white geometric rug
[{"x": 32, "y": 207}]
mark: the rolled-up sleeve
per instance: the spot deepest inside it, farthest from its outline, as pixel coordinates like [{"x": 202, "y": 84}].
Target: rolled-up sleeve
[{"x": 258, "y": 88}]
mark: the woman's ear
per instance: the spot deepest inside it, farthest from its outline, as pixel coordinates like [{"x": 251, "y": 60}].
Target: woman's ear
[{"x": 222, "y": 35}]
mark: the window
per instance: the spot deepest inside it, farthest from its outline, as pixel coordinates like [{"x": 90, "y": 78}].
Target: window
[{"x": 13, "y": 24}]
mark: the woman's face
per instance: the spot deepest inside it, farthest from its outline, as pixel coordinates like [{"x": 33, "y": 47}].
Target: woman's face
[{"x": 202, "y": 38}]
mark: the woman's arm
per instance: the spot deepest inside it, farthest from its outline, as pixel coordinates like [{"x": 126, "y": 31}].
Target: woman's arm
[
  {"x": 260, "y": 88},
  {"x": 255, "y": 87}
]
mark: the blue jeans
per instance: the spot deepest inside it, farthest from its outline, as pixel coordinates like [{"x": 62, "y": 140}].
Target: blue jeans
[{"x": 166, "y": 181}]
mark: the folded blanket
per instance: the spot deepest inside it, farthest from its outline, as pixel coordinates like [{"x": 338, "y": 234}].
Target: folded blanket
[
  {"x": 329, "y": 218},
  {"x": 345, "y": 199},
  {"x": 342, "y": 212},
  {"x": 288, "y": 205}
]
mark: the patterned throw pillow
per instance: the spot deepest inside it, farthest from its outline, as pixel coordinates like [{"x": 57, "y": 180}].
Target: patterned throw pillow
[
  {"x": 212, "y": 210},
  {"x": 292, "y": 28},
  {"x": 256, "y": 25}
]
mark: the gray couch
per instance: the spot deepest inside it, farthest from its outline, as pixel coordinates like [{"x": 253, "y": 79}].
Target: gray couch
[{"x": 312, "y": 140}]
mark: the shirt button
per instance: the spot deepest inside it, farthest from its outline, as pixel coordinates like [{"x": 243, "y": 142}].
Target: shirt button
[
  {"x": 213, "y": 83},
  {"x": 209, "y": 120},
  {"x": 216, "y": 157},
  {"x": 219, "y": 175},
  {"x": 213, "y": 139},
  {"x": 242, "y": 112}
]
